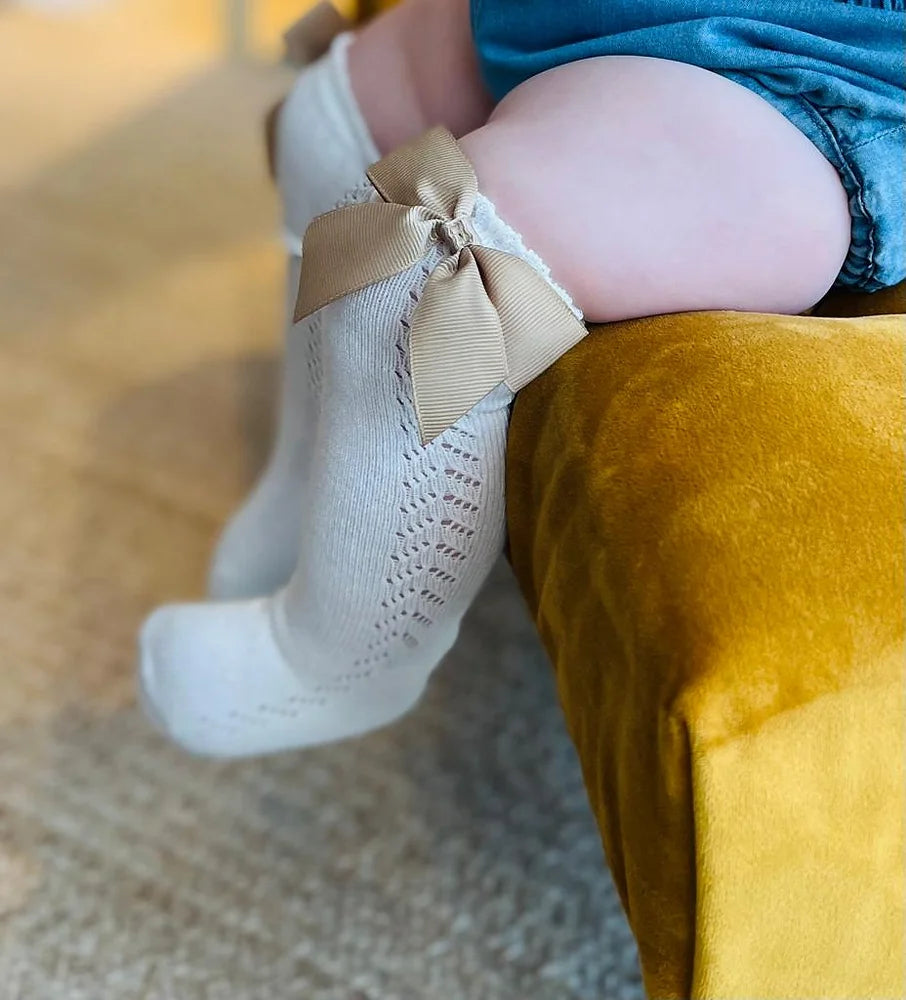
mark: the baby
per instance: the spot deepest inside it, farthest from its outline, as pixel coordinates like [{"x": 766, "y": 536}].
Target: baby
[{"x": 611, "y": 160}]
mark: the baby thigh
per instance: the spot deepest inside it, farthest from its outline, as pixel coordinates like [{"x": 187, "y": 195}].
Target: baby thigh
[{"x": 652, "y": 186}]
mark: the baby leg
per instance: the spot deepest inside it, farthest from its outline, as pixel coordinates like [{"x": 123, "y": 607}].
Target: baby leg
[
  {"x": 401, "y": 534},
  {"x": 416, "y": 67},
  {"x": 374, "y": 90}
]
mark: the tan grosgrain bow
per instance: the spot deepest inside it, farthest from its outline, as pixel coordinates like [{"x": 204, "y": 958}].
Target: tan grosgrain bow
[{"x": 485, "y": 316}]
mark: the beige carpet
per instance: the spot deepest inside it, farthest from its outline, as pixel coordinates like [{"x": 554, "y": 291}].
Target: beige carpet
[{"x": 450, "y": 857}]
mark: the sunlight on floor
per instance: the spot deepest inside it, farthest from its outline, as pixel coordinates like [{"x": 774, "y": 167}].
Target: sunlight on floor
[{"x": 69, "y": 73}]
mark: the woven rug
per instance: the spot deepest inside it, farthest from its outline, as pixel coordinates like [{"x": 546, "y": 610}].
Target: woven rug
[{"x": 451, "y": 857}]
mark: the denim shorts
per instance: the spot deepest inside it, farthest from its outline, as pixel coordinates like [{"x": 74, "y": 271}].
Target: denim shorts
[{"x": 835, "y": 68}]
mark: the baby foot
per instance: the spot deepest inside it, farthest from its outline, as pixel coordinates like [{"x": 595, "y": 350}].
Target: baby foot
[{"x": 216, "y": 681}]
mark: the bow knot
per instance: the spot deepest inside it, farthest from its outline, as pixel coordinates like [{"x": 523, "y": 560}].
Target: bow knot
[
  {"x": 485, "y": 316},
  {"x": 455, "y": 234}
]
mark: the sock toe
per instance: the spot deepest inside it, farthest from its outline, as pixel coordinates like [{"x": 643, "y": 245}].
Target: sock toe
[
  {"x": 198, "y": 663},
  {"x": 214, "y": 680}
]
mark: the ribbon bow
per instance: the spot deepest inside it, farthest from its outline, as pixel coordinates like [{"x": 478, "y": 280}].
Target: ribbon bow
[{"x": 485, "y": 316}]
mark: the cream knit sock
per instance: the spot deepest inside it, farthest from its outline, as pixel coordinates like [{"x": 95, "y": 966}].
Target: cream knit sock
[
  {"x": 396, "y": 542},
  {"x": 322, "y": 148}
]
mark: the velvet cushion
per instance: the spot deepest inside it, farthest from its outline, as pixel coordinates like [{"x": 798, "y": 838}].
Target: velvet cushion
[{"x": 706, "y": 515}]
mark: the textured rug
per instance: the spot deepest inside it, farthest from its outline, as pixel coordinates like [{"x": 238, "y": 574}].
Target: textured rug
[{"x": 452, "y": 857}]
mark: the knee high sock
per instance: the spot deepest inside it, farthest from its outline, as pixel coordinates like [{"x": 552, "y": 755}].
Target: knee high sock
[
  {"x": 396, "y": 541},
  {"x": 322, "y": 148}
]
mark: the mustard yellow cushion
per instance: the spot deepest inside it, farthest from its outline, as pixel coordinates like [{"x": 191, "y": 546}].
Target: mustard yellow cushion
[{"x": 706, "y": 515}]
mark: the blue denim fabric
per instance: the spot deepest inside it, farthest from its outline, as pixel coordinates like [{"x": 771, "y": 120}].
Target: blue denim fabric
[{"x": 835, "y": 68}]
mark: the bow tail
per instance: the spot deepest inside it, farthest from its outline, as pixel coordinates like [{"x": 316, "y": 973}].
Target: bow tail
[
  {"x": 352, "y": 247},
  {"x": 538, "y": 326},
  {"x": 456, "y": 351}
]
